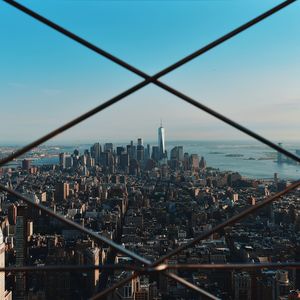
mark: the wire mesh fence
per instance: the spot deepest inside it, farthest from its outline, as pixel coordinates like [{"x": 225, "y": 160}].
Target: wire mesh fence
[{"x": 144, "y": 266}]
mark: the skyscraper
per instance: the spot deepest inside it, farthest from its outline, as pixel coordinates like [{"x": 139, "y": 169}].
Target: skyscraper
[
  {"x": 21, "y": 250},
  {"x": 95, "y": 152},
  {"x": 108, "y": 147},
  {"x": 140, "y": 150},
  {"x": 161, "y": 142},
  {"x": 61, "y": 191},
  {"x": 242, "y": 286},
  {"x": 131, "y": 150},
  {"x": 92, "y": 257},
  {"x": 26, "y": 164},
  {"x": 177, "y": 153},
  {"x": 120, "y": 150},
  {"x": 155, "y": 153},
  {"x": 140, "y": 141},
  {"x": 124, "y": 161},
  {"x": 12, "y": 214},
  {"x": 194, "y": 162},
  {"x": 62, "y": 160},
  {"x": 147, "y": 152}
]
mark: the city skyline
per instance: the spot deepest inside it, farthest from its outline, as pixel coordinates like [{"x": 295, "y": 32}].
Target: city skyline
[
  {"x": 258, "y": 90},
  {"x": 149, "y": 205},
  {"x": 150, "y": 137},
  {"x": 251, "y": 158}
]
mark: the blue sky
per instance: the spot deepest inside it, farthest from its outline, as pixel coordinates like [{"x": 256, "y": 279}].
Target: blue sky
[{"x": 46, "y": 79}]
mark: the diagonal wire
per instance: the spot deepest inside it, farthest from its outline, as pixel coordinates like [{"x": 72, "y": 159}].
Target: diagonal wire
[
  {"x": 229, "y": 222},
  {"x": 149, "y": 79},
  {"x": 283, "y": 265},
  {"x": 228, "y": 121},
  {"x": 170, "y": 275},
  {"x": 94, "y": 235},
  {"x": 134, "y": 69},
  {"x": 114, "y": 287},
  {"x": 217, "y": 228},
  {"x": 159, "y": 268},
  {"x": 186, "y": 98},
  {"x": 129, "y": 253},
  {"x": 76, "y": 38},
  {"x": 71, "y": 223},
  {"x": 70, "y": 124},
  {"x": 289, "y": 265},
  {"x": 66, "y": 268},
  {"x": 79, "y": 268}
]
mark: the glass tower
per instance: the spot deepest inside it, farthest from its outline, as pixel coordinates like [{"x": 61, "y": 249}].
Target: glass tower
[{"x": 161, "y": 141}]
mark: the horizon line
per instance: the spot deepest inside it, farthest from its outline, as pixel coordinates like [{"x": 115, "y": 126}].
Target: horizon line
[{"x": 150, "y": 141}]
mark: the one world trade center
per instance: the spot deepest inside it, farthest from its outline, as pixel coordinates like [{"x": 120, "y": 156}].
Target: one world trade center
[{"x": 161, "y": 142}]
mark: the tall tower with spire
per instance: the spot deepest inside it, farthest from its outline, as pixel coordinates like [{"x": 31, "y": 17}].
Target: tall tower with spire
[{"x": 161, "y": 141}]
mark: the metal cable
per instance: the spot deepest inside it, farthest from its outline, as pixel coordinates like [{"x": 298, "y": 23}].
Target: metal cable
[
  {"x": 172, "y": 276},
  {"x": 76, "y": 38},
  {"x": 94, "y": 235},
  {"x": 135, "y": 70},
  {"x": 114, "y": 287},
  {"x": 229, "y": 222},
  {"x": 73, "y": 268},
  {"x": 146, "y": 270},
  {"x": 149, "y": 79},
  {"x": 217, "y": 228},
  {"x": 281, "y": 265},
  {"x": 152, "y": 79}
]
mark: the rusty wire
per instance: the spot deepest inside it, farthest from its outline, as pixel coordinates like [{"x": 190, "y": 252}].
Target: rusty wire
[
  {"x": 148, "y": 270},
  {"x": 220, "y": 227},
  {"x": 149, "y": 79},
  {"x": 154, "y": 80},
  {"x": 97, "y": 237},
  {"x": 230, "y": 222},
  {"x": 78, "y": 268},
  {"x": 133, "y": 255}
]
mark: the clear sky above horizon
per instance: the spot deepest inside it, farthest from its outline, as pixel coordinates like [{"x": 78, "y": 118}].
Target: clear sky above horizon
[{"x": 47, "y": 79}]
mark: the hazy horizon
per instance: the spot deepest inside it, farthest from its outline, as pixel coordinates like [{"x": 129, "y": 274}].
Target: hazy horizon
[{"x": 151, "y": 142}]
